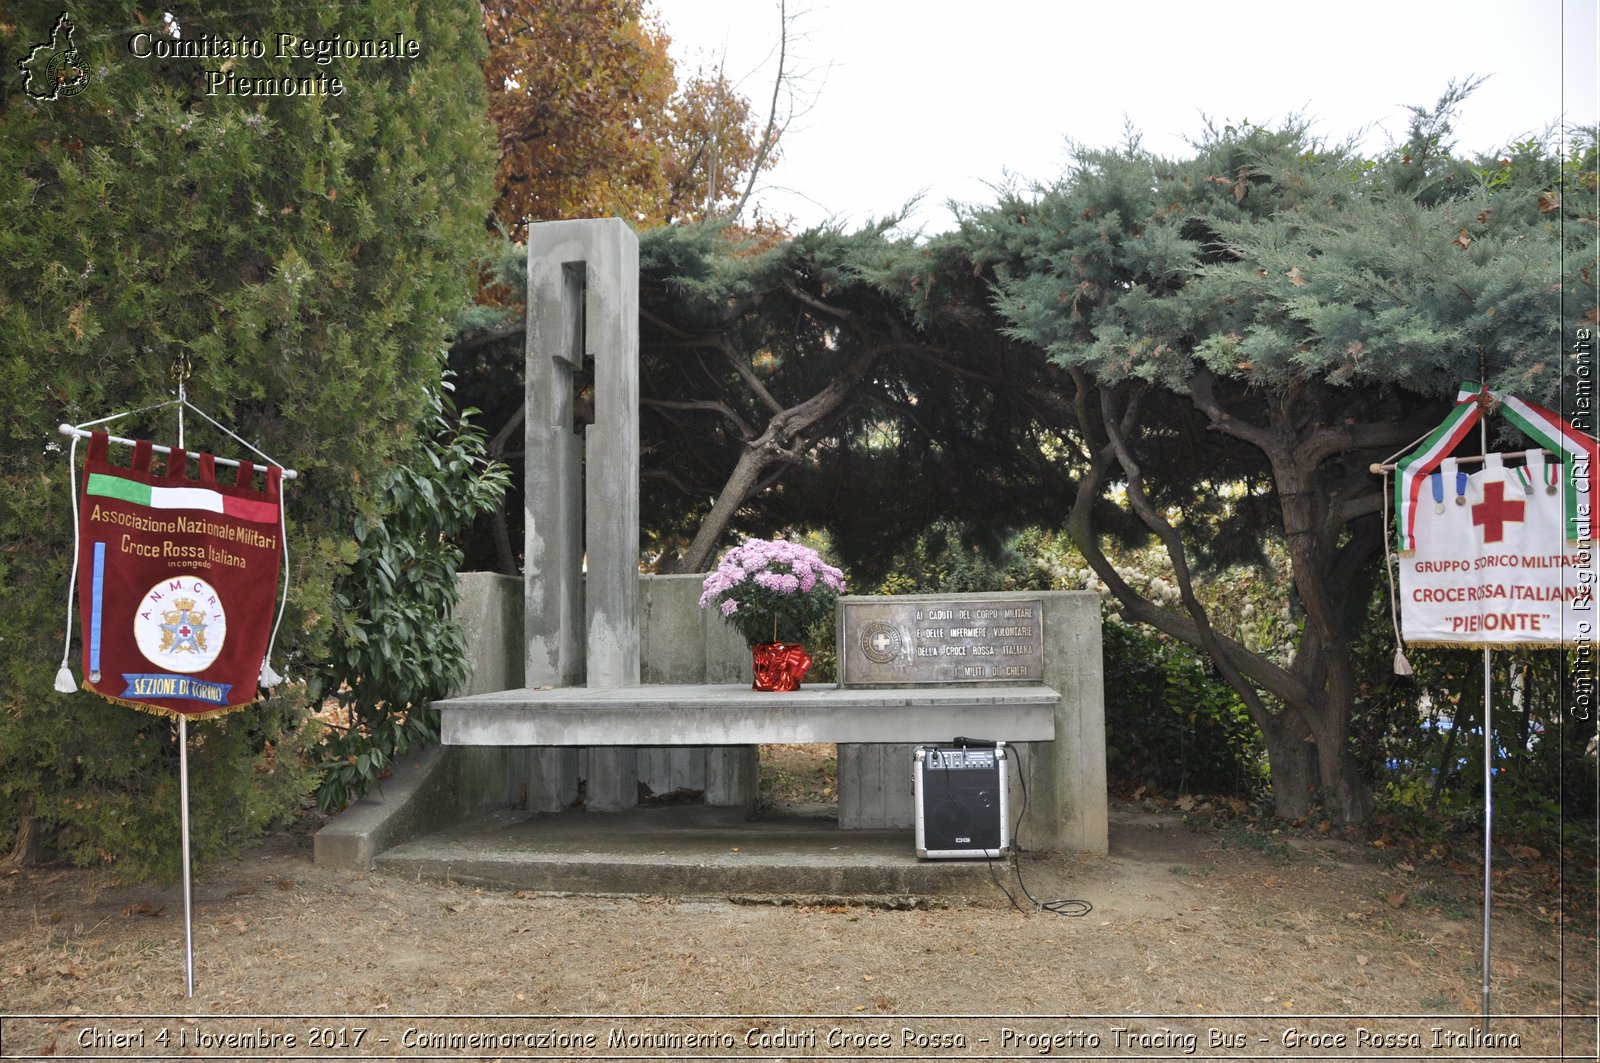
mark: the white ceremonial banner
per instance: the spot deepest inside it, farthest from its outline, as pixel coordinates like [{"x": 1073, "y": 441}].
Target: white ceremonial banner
[{"x": 1492, "y": 565}]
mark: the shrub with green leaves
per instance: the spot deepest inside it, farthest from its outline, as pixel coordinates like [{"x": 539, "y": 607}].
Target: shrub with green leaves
[
  {"x": 1172, "y": 725},
  {"x": 396, "y": 647},
  {"x": 297, "y": 260}
]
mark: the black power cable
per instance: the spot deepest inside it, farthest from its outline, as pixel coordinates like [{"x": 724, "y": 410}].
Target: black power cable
[{"x": 1060, "y": 906}]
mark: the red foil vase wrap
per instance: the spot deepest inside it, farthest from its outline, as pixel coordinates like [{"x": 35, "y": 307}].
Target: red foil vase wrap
[{"x": 778, "y": 666}]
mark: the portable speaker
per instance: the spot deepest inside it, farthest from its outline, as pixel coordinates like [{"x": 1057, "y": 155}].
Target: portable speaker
[{"x": 961, "y": 801}]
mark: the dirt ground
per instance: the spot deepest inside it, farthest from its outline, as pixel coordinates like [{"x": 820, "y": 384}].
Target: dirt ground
[{"x": 1204, "y": 938}]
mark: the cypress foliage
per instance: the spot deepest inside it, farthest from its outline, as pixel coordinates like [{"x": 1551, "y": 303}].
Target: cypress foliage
[{"x": 296, "y": 258}]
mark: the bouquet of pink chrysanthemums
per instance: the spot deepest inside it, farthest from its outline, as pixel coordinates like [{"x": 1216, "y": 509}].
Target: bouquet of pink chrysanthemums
[{"x": 772, "y": 590}]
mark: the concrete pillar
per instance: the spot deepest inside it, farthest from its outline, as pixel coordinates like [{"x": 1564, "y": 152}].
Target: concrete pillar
[
  {"x": 611, "y": 478},
  {"x": 550, "y": 778},
  {"x": 683, "y": 643},
  {"x": 489, "y": 611},
  {"x": 875, "y": 790},
  {"x": 1066, "y": 778},
  {"x": 611, "y": 777},
  {"x": 553, "y": 538},
  {"x": 581, "y": 563}
]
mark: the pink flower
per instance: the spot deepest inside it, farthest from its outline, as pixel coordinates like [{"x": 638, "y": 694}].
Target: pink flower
[{"x": 779, "y": 583}]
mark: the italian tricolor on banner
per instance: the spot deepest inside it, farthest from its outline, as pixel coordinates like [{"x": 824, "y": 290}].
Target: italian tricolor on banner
[
  {"x": 1501, "y": 555},
  {"x": 1576, "y": 451},
  {"x": 177, "y": 580},
  {"x": 209, "y": 500}
]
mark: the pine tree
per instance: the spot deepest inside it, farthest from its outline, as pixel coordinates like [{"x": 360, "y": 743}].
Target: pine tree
[{"x": 1259, "y": 324}]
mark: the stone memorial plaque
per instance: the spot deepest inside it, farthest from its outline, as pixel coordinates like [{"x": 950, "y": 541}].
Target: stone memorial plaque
[{"x": 896, "y": 641}]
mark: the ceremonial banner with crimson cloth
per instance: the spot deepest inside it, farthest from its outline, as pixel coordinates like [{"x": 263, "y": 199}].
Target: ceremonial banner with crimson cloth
[{"x": 177, "y": 581}]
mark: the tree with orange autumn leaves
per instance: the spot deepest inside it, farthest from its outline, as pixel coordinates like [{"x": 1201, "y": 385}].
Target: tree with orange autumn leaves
[{"x": 593, "y": 121}]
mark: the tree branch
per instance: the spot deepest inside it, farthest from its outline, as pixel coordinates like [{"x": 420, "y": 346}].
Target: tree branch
[
  {"x": 1327, "y": 441},
  {"x": 769, "y": 138},
  {"x": 1203, "y": 392},
  {"x": 497, "y": 445},
  {"x": 1176, "y": 555},
  {"x": 1280, "y": 682},
  {"x": 1351, "y": 509},
  {"x": 709, "y": 406},
  {"x": 479, "y": 340},
  {"x": 786, "y": 439},
  {"x": 804, "y": 297},
  {"x": 747, "y": 374},
  {"x": 926, "y": 354},
  {"x": 684, "y": 338}
]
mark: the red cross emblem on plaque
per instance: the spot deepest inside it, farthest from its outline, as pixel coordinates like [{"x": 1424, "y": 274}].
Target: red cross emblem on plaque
[{"x": 1496, "y": 511}]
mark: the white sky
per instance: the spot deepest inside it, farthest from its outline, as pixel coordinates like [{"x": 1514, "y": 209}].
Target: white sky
[{"x": 944, "y": 98}]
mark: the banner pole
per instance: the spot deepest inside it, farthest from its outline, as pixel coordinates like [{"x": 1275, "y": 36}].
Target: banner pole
[
  {"x": 183, "y": 798},
  {"x": 188, "y": 893},
  {"x": 1488, "y": 761},
  {"x": 1488, "y": 826}
]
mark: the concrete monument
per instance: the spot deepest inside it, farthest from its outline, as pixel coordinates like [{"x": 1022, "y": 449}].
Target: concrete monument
[{"x": 627, "y": 688}]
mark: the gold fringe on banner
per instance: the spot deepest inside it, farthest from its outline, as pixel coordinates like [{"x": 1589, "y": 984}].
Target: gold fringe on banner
[{"x": 171, "y": 714}]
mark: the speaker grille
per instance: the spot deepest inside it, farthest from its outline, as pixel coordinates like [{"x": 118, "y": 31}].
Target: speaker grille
[{"x": 961, "y": 801}]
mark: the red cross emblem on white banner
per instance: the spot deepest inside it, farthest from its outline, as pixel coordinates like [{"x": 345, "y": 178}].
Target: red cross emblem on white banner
[{"x": 1496, "y": 511}]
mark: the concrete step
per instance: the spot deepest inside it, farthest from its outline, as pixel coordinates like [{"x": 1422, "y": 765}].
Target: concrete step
[{"x": 692, "y": 851}]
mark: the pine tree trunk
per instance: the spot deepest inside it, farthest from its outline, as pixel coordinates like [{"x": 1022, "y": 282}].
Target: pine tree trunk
[
  {"x": 1320, "y": 768},
  {"x": 1346, "y": 798},
  {"x": 1312, "y": 766},
  {"x": 25, "y": 847},
  {"x": 1291, "y": 755}
]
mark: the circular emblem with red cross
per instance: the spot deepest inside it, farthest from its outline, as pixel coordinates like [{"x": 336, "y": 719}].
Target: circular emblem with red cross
[{"x": 180, "y": 624}]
